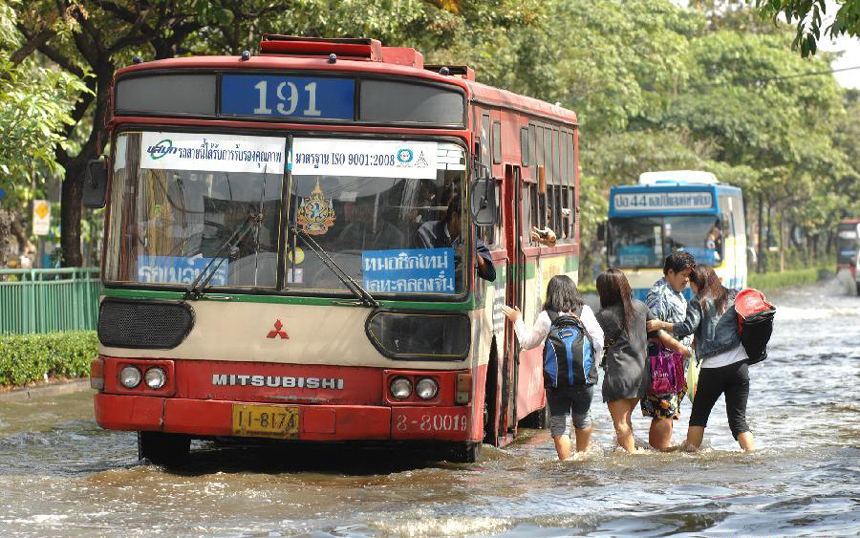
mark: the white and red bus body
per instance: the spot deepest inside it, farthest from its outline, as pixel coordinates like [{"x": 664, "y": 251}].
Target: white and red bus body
[{"x": 317, "y": 354}]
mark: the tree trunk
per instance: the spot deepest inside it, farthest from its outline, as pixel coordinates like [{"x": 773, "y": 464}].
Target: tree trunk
[
  {"x": 760, "y": 266},
  {"x": 782, "y": 244},
  {"x": 24, "y": 244},
  {"x": 70, "y": 214}
]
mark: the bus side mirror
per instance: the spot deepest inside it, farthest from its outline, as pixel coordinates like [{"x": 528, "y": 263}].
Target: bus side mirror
[
  {"x": 95, "y": 184},
  {"x": 483, "y": 200},
  {"x": 601, "y": 232}
]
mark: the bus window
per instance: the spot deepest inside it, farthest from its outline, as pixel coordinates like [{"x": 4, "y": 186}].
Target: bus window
[
  {"x": 532, "y": 150},
  {"x": 536, "y": 214},
  {"x": 173, "y": 221},
  {"x": 485, "y": 140},
  {"x": 549, "y": 218},
  {"x": 700, "y": 235},
  {"x": 565, "y": 213},
  {"x": 376, "y": 219},
  {"x": 525, "y": 224},
  {"x": 497, "y": 142},
  {"x": 491, "y": 234},
  {"x": 548, "y": 157},
  {"x": 636, "y": 242},
  {"x": 524, "y": 146}
]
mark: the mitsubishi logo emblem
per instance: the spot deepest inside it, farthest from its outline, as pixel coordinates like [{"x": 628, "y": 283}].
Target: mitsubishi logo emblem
[{"x": 278, "y": 332}]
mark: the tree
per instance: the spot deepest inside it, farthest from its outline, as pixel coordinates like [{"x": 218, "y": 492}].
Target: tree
[
  {"x": 808, "y": 15},
  {"x": 96, "y": 36}
]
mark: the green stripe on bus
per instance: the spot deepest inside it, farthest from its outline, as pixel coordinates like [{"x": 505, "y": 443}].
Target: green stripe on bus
[{"x": 283, "y": 299}]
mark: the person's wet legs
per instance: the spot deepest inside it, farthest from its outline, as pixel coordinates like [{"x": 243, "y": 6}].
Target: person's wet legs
[
  {"x": 621, "y": 411},
  {"x": 660, "y": 434}
]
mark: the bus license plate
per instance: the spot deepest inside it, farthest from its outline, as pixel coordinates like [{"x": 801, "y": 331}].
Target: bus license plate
[{"x": 266, "y": 421}]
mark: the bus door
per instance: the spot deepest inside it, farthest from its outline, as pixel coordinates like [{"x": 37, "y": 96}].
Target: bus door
[{"x": 514, "y": 294}]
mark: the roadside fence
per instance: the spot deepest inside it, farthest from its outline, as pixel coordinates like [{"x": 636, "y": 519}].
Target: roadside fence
[{"x": 49, "y": 300}]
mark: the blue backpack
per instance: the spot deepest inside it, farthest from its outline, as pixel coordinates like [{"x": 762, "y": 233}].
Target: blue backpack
[{"x": 568, "y": 355}]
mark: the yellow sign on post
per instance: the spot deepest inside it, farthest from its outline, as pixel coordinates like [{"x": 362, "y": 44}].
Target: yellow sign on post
[{"x": 41, "y": 217}]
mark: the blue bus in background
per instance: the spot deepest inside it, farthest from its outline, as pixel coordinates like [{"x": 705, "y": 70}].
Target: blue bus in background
[{"x": 676, "y": 210}]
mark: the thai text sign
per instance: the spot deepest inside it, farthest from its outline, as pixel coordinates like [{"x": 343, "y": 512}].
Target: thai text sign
[
  {"x": 216, "y": 153},
  {"x": 661, "y": 201},
  {"x": 178, "y": 270},
  {"x": 418, "y": 270},
  {"x": 364, "y": 158}
]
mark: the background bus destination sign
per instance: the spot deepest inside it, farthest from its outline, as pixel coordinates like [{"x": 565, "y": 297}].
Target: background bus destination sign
[
  {"x": 288, "y": 96},
  {"x": 661, "y": 201}
]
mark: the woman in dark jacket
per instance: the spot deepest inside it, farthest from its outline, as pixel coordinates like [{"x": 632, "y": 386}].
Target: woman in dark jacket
[
  {"x": 711, "y": 317},
  {"x": 626, "y": 374}
]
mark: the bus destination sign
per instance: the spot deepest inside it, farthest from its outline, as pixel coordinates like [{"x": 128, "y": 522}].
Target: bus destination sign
[
  {"x": 288, "y": 97},
  {"x": 662, "y": 201}
]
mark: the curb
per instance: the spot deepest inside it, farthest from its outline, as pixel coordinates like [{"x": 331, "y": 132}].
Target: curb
[{"x": 25, "y": 394}]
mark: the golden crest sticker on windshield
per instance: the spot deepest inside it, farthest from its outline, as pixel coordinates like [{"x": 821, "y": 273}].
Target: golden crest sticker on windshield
[{"x": 316, "y": 214}]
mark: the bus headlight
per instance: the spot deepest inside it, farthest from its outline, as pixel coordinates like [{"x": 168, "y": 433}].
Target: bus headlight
[
  {"x": 400, "y": 388},
  {"x": 155, "y": 378},
  {"x": 426, "y": 388},
  {"x": 129, "y": 377}
]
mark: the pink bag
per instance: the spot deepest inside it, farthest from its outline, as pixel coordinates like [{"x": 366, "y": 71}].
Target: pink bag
[{"x": 667, "y": 371}]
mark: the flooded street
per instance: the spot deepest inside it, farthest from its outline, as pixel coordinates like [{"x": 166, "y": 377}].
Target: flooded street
[{"x": 61, "y": 476}]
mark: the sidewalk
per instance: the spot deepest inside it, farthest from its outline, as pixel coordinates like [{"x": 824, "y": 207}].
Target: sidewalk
[{"x": 40, "y": 391}]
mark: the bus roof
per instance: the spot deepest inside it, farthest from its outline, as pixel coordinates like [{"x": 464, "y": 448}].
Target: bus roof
[
  {"x": 678, "y": 176},
  {"x": 355, "y": 56}
]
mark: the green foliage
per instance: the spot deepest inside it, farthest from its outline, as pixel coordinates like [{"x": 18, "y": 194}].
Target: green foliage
[
  {"x": 33, "y": 357},
  {"x": 808, "y": 15},
  {"x": 35, "y": 106},
  {"x": 771, "y": 281}
]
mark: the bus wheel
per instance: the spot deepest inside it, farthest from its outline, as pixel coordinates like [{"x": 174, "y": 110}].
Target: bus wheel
[
  {"x": 538, "y": 420},
  {"x": 163, "y": 448},
  {"x": 462, "y": 452}
]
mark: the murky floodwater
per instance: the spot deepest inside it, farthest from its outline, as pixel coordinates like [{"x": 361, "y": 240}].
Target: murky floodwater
[{"x": 61, "y": 476}]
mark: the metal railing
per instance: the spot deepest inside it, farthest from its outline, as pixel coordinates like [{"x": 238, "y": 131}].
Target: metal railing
[{"x": 49, "y": 300}]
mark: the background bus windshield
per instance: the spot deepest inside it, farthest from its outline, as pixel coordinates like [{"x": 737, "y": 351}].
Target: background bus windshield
[{"x": 646, "y": 241}]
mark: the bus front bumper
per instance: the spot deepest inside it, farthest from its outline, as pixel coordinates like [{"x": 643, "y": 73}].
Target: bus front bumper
[{"x": 214, "y": 418}]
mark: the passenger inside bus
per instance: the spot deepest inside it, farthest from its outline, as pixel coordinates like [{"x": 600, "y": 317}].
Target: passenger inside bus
[
  {"x": 714, "y": 241},
  {"x": 446, "y": 233}
]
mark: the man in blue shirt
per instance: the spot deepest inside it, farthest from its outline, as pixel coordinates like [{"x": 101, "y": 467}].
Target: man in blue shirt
[
  {"x": 666, "y": 302},
  {"x": 446, "y": 233}
]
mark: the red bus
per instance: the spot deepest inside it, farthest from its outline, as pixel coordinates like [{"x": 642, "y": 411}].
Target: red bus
[{"x": 267, "y": 269}]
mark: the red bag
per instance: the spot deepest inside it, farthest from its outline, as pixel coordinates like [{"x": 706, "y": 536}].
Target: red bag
[{"x": 755, "y": 323}]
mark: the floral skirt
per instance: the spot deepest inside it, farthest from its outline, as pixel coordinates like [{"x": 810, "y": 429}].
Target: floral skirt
[{"x": 662, "y": 405}]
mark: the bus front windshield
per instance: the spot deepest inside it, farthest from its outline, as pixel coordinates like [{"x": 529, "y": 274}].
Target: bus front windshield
[
  {"x": 646, "y": 241},
  {"x": 183, "y": 204}
]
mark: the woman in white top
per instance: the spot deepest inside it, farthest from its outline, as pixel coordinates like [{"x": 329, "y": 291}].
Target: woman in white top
[{"x": 562, "y": 298}]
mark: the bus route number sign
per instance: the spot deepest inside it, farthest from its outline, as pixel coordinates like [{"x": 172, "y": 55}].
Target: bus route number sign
[{"x": 315, "y": 98}]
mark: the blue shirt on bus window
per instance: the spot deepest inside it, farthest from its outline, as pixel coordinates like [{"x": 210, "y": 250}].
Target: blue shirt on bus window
[{"x": 434, "y": 234}]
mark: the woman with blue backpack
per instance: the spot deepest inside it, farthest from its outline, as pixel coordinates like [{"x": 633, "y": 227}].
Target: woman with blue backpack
[
  {"x": 712, "y": 318},
  {"x": 574, "y": 345},
  {"x": 626, "y": 369}
]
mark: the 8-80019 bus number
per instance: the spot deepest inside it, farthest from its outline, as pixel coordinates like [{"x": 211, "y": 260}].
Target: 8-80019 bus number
[{"x": 434, "y": 423}]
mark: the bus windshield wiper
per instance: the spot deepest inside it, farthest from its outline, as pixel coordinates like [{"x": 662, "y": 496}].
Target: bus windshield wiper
[
  {"x": 198, "y": 286},
  {"x": 362, "y": 294}
]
